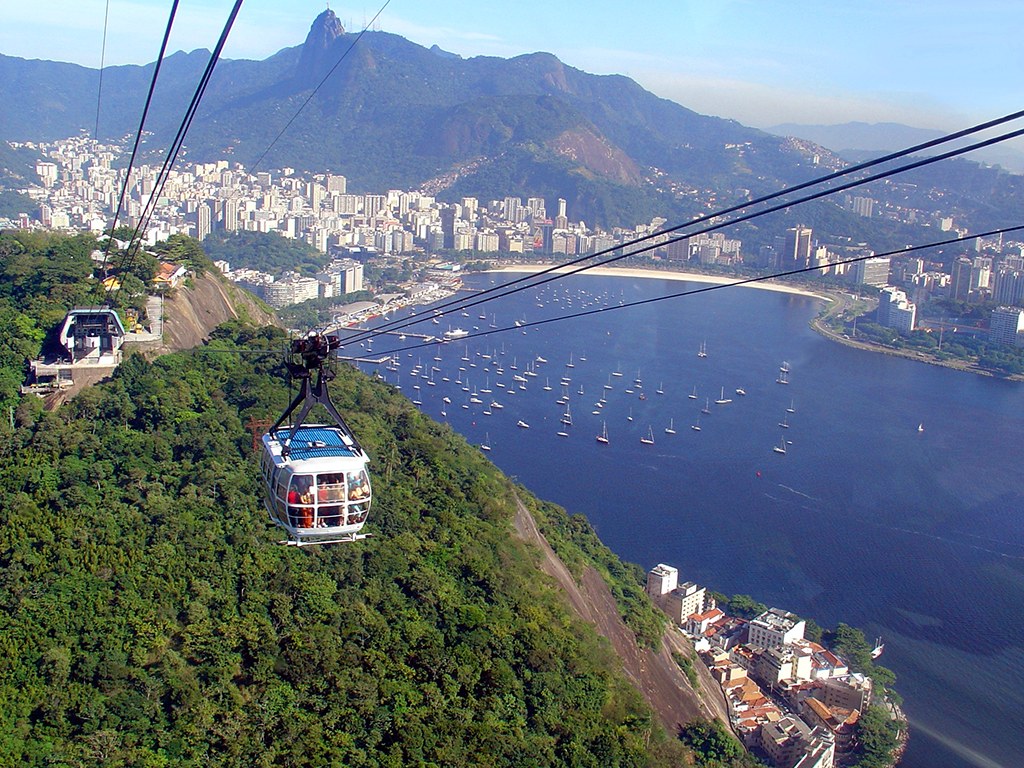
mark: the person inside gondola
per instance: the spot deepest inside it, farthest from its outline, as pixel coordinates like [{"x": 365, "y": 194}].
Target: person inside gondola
[
  {"x": 356, "y": 513},
  {"x": 300, "y": 501},
  {"x": 358, "y": 487},
  {"x": 330, "y": 491}
]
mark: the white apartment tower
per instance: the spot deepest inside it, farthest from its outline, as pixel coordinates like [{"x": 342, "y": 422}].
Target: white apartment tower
[{"x": 661, "y": 580}]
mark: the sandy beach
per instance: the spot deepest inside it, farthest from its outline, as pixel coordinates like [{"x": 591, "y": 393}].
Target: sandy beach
[{"x": 658, "y": 274}]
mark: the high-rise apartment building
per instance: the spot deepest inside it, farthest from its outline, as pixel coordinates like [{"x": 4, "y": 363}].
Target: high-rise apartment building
[
  {"x": 1006, "y": 326},
  {"x": 796, "y": 251},
  {"x": 960, "y": 282}
]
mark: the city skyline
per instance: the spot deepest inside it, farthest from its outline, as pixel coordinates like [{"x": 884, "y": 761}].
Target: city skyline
[{"x": 940, "y": 65}]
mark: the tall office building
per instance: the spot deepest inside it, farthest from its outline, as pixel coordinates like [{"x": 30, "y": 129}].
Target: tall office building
[
  {"x": 230, "y": 215},
  {"x": 203, "y": 218},
  {"x": 337, "y": 184},
  {"x": 1006, "y": 326},
  {"x": 873, "y": 271},
  {"x": 796, "y": 252},
  {"x": 960, "y": 284}
]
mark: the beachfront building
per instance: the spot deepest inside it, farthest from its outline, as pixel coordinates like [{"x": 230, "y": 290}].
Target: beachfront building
[
  {"x": 775, "y": 628},
  {"x": 661, "y": 580},
  {"x": 790, "y": 742},
  {"x": 873, "y": 271},
  {"x": 684, "y": 601},
  {"x": 1007, "y": 326},
  {"x": 895, "y": 310}
]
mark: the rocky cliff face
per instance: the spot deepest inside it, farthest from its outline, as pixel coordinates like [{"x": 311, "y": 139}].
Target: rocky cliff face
[
  {"x": 313, "y": 64},
  {"x": 193, "y": 313}
]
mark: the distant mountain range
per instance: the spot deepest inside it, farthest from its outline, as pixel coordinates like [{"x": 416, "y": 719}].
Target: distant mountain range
[
  {"x": 854, "y": 141},
  {"x": 396, "y": 114}
]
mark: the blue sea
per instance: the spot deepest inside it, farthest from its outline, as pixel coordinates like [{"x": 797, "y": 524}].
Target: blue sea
[{"x": 897, "y": 507}]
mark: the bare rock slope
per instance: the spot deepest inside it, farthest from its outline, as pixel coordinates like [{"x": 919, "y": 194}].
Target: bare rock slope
[{"x": 654, "y": 673}]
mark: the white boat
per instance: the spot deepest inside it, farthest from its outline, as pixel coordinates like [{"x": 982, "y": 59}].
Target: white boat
[
  {"x": 540, "y": 359},
  {"x": 792, "y": 407},
  {"x": 567, "y": 416},
  {"x": 616, "y": 372},
  {"x": 649, "y": 440},
  {"x": 496, "y": 405},
  {"x": 703, "y": 351},
  {"x": 486, "y": 446},
  {"x": 879, "y": 647},
  {"x": 783, "y": 377},
  {"x": 659, "y": 390},
  {"x": 920, "y": 427},
  {"x": 696, "y": 427},
  {"x": 570, "y": 363},
  {"x": 741, "y": 392},
  {"x": 671, "y": 428},
  {"x": 722, "y": 399},
  {"x": 446, "y": 399},
  {"x": 603, "y": 437},
  {"x": 781, "y": 447},
  {"x": 707, "y": 406},
  {"x": 547, "y": 385},
  {"x": 785, "y": 422},
  {"x": 693, "y": 395},
  {"x": 522, "y": 424},
  {"x": 630, "y": 414},
  {"x": 456, "y": 333}
]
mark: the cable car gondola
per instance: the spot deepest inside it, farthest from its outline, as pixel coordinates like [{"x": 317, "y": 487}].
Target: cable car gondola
[{"x": 316, "y": 486}]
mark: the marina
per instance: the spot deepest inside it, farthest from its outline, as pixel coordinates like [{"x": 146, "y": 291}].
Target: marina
[{"x": 904, "y": 495}]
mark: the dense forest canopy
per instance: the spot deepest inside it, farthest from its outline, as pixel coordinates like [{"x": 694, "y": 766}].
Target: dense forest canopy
[
  {"x": 265, "y": 251},
  {"x": 150, "y": 619}
]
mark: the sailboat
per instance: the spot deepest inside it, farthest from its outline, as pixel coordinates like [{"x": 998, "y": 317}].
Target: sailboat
[
  {"x": 486, "y": 445},
  {"x": 630, "y": 414},
  {"x": 617, "y": 372},
  {"x": 696, "y": 427},
  {"x": 649, "y": 440},
  {"x": 879, "y": 647},
  {"x": 781, "y": 447},
  {"x": 659, "y": 390},
  {"x": 722, "y": 399},
  {"x": 547, "y": 385},
  {"x": 570, "y": 363},
  {"x": 920, "y": 427},
  {"x": 783, "y": 373},
  {"x": 792, "y": 408},
  {"x": 603, "y": 437},
  {"x": 567, "y": 416},
  {"x": 785, "y": 422},
  {"x": 670, "y": 429},
  {"x": 707, "y": 406},
  {"x": 703, "y": 351},
  {"x": 693, "y": 395},
  {"x": 609, "y": 384}
]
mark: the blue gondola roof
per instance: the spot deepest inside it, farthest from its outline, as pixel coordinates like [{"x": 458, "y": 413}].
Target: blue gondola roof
[{"x": 316, "y": 443}]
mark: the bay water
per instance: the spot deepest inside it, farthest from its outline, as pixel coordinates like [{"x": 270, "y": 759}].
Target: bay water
[{"x": 897, "y": 507}]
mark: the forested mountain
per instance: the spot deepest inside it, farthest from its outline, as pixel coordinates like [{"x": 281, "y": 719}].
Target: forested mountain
[
  {"x": 148, "y": 619},
  {"x": 396, "y": 114}
]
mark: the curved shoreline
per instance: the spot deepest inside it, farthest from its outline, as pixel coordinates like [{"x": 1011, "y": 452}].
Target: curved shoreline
[
  {"x": 694, "y": 277},
  {"x": 964, "y": 366}
]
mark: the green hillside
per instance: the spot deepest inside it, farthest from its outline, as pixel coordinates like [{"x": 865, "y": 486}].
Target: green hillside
[{"x": 149, "y": 619}]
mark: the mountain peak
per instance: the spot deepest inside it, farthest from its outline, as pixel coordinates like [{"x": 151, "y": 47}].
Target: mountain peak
[{"x": 325, "y": 29}]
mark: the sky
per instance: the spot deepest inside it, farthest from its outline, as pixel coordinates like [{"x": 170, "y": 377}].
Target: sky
[{"x": 938, "y": 64}]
